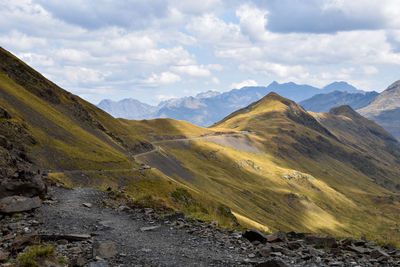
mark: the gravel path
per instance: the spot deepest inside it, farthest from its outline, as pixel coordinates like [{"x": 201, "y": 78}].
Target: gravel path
[{"x": 163, "y": 246}]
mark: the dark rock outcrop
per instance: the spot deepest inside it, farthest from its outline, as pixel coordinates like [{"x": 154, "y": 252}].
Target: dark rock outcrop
[{"x": 23, "y": 183}]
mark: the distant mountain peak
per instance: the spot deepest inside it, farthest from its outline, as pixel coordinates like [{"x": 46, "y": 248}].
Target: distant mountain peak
[
  {"x": 394, "y": 86},
  {"x": 341, "y": 86}
]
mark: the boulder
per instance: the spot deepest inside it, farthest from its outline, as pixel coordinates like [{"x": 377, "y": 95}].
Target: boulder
[
  {"x": 23, "y": 183},
  {"x": 255, "y": 235},
  {"x": 104, "y": 249},
  {"x": 277, "y": 237},
  {"x": 15, "y": 204}
]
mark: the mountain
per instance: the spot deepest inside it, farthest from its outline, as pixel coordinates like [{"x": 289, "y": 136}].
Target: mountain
[
  {"x": 128, "y": 108},
  {"x": 277, "y": 166},
  {"x": 324, "y": 102},
  {"x": 74, "y": 143},
  {"x": 54, "y": 128},
  {"x": 209, "y": 107},
  {"x": 385, "y": 109},
  {"x": 342, "y": 87},
  {"x": 271, "y": 165}
]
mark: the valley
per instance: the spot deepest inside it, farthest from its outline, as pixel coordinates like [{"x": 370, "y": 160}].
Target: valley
[{"x": 271, "y": 165}]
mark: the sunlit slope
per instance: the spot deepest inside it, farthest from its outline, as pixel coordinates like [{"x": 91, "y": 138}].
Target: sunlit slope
[
  {"x": 66, "y": 132},
  {"x": 282, "y": 169}
]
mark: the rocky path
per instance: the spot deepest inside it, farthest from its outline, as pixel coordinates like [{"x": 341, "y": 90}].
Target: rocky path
[
  {"x": 129, "y": 237},
  {"x": 85, "y": 232}
]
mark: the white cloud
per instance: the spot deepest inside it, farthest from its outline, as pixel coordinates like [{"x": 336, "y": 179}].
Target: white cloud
[
  {"x": 243, "y": 84},
  {"x": 279, "y": 70},
  {"x": 252, "y": 22},
  {"x": 162, "y": 79},
  {"x": 215, "y": 80},
  {"x": 370, "y": 70},
  {"x": 125, "y": 48},
  {"x": 192, "y": 70}
]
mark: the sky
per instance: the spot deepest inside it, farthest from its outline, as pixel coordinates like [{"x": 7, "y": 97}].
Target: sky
[{"x": 156, "y": 50}]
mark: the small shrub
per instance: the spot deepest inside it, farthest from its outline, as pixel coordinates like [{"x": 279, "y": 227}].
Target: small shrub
[
  {"x": 30, "y": 257},
  {"x": 62, "y": 260},
  {"x": 183, "y": 197}
]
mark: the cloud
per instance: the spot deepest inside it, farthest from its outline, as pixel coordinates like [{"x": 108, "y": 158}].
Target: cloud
[
  {"x": 192, "y": 70},
  {"x": 161, "y": 79},
  {"x": 324, "y": 16},
  {"x": 243, "y": 84},
  {"x": 140, "y": 48},
  {"x": 92, "y": 14},
  {"x": 370, "y": 70}
]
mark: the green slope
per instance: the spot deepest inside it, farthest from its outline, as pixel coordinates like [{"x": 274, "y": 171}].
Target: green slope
[
  {"x": 43, "y": 126},
  {"x": 302, "y": 174},
  {"x": 67, "y": 132}
]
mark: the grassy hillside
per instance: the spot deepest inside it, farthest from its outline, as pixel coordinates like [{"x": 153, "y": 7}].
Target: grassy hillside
[
  {"x": 43, "y": 126},
  {"x": 283, "y": 169},
  {"x": 66, "y": 131},
  {"x": 272, "y": 164}
]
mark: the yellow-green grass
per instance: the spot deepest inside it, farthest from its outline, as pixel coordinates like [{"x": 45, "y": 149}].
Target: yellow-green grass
[
  {"x": 73, "y": 147},
  {"x": 34, "y": 255},
  {"x": 160, "y": 129},
  {"x": 332, "y": 204}
]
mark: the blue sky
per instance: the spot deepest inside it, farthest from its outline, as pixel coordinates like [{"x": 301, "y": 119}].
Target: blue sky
[{"x": 155, "y": 50}]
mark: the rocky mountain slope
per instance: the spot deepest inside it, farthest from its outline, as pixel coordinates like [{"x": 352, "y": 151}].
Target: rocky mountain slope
[
  {"x": 385, "y": 109},
  {"x": 209, "y": 107},
  {"x": 324, "y": 102}
]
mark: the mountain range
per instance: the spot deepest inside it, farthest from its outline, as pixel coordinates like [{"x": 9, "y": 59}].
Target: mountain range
[
  {"x": 270, "y": 165},
  {"x": 385, "y": 109},
  {"x": 324, "y": 102},
  {"x": 209, "y": 107}
]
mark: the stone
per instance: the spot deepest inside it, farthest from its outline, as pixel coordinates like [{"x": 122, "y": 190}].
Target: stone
[
  {"x": 359, "y": 250},
  {"x": 87, "y": 205},
  {"x": 21, "y": 242},
  {"x": 323, "y": 242},
  {"x": 104, "y": 249},
  {"x": 295, "y": 235},
  {"x": 100, "y": 263},
  {"x": 78, "y": 262},
  {"x": 149, "y": 228},
  {"x": 293, "y": 245},
  {"x": 148, "y": 211},
  {"x": 255, "y": 235},
  {"x": 377, "y": 253},
  {"x": 272, "y": 263},
  {"x": 265, "y": 251},
  {"x": 124, "y": 208},
  {"x": 276, "y": 248},
  {"x": 175, "y": 216},
  {"x": 277, "y": 237},
  {"x": 13, "y": 204}
]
